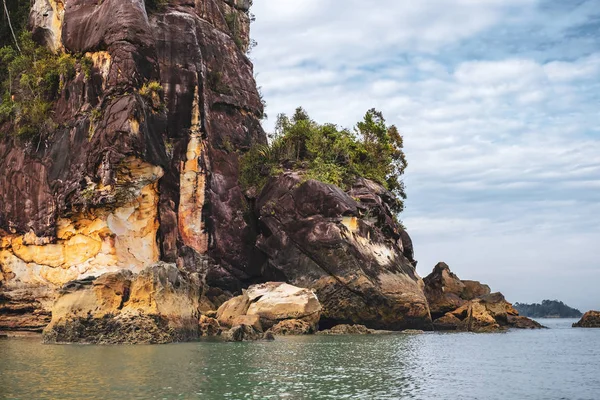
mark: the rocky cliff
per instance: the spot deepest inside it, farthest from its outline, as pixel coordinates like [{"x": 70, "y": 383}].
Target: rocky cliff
[
  {"x": 137, "y": 184},
  {"x": 130, "y": 177}
]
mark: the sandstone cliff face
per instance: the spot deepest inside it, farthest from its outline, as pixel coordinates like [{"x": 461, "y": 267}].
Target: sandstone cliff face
[
  {"x": 129, "y": 179},
  {"x": 158, "y": 305}
]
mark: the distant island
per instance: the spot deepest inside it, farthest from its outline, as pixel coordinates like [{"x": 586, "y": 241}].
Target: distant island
[{"x": 548, "y": 309}]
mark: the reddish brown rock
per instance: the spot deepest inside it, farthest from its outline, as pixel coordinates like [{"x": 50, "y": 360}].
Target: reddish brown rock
[
  {"x": 317, "y": 236},
  {"x": 474, "y": 289},
  {"x": 443, "y": 290},
  {"x": 519, "y": 322},
  {"x": 116, "y": 148}
]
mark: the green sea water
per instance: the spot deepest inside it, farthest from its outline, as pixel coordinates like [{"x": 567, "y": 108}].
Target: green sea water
[{"x": 558, "y": 363}]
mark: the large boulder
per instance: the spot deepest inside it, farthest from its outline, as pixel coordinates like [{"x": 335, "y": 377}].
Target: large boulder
[
  {"x": 268, "y": 304},
  {"x": 350, "y": 252},
  {"x": 158, "y": 305},
  {"x": 443, "y": 290},
  {"x": 590, "y": 319}
]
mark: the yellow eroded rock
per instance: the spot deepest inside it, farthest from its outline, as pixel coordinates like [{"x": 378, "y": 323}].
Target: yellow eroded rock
[{"x": 92, "y": 243}]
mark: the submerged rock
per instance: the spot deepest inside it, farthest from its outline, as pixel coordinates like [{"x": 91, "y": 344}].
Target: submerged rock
[
  {"x": 521, "y": 322},
  {"x": 590, "y": 319},
  {"x": 412, "y": 332},
  {"x": 158, "y": 305},
  {"x": 345, "y": 329},
  {"x": 270, "y": 303}
]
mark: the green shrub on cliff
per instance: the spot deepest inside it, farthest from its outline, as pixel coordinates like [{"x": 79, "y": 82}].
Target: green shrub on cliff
[
  {"x": 32, "y": 80},
  {"x": 18, "y": 10},
  {"x": 329, "y": 154}
]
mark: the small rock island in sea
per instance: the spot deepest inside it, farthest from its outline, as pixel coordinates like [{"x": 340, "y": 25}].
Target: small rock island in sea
[
  {"x": 548, "y": 309},
  {"x": 142, "y": 202},
  {"x": 590, "y": 319}
]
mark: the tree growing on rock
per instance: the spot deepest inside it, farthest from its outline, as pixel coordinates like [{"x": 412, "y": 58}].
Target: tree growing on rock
[{"x": 327, "y": 153}]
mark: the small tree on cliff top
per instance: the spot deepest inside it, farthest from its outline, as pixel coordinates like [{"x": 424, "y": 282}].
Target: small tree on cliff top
[{"x": 329, "y": 154}]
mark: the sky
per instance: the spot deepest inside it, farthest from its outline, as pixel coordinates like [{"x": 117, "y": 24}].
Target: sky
[{"x": 499, "y": 105}]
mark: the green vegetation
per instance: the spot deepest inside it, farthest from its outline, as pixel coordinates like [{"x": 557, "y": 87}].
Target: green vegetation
[
  {"x": 326, "y": 153},
  {"x": 31, "y": 80},
  {"x": 215, "y": 82},
  {"x": 231, "y": 19},
  {"x": 149, "y": 89},
  {"x": 18, "y": 10},
  {"x": 548, "y": 309},
  {"x": 153, "y": 93}
]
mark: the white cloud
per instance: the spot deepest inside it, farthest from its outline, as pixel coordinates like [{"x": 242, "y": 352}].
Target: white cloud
[{"x": 498, "y": 102}]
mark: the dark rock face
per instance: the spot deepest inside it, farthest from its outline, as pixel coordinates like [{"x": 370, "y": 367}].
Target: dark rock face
[
  {"x": 209, "y": 327},
  {"x": 468, "y": 305},
  {"x": 317, "y": 236},
  {"x": 590, "y": 319},
  {"x": 443, "y": 290},
  {"x": 173, "y": 157},
  {"x": 22, "y": 310}
]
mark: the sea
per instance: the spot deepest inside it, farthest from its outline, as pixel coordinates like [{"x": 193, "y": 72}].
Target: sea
[{"x": 556, "y": 363}]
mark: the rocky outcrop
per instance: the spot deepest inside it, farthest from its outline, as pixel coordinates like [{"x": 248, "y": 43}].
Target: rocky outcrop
[
  {"x": 129, "y": 178},
  {"x": 244, "y": 333},
  {"x": 468, "y": 305},
  {"x": 590, "y": 319},
  {"x": 265, "y": 305},
  {"x": 158, "y": 305},
  {"x": 292, "y": 327},
  {"x": 344, "y": 246},
  {"x": 345, "y": 329},
  {"x": 446, "y": 292},
  {"x": 209, "y": 326}
]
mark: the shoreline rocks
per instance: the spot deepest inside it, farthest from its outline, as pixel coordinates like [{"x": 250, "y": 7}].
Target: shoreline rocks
[
  {"x": 158, "y": 305},
  {"x": 590, "y": 319},
  {"x": 468, "y": 306},
  {"x": 346, "y": 246},
  {"x": 268, "y": 304},
  {"x": 345, "y": 329}
]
